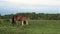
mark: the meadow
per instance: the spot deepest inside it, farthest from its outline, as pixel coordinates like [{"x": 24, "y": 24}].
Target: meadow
[{"x": 34, "y": 27}]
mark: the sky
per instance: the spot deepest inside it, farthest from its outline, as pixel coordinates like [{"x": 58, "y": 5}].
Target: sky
[{"x": 38, "y": 6}]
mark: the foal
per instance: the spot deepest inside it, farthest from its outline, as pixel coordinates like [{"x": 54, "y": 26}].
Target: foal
[{"x": 20, "y": 18}]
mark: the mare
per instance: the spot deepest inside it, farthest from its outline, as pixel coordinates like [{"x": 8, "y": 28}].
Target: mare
[{"x": 23, "y": 19}]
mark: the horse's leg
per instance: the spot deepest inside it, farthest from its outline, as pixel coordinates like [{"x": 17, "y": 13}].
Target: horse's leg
[
  {"x": 12, "y": 24},
  {"x": 26, "y": 22},
  {"x": 15, "y": 23},
  {"x": 22, "y": 23}
]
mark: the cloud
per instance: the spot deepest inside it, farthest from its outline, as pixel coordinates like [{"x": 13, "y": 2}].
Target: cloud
[
  {"x": 3, "y": 0},
  {"x": 41, "y": 2},
  {"x": 40, "y": 6}
]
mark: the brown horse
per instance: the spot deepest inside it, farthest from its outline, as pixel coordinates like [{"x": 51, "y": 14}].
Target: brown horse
[{"x": 19, "y": 18}]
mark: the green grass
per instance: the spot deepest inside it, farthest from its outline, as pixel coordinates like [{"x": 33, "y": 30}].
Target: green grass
[{"x": 34, "y": 27}]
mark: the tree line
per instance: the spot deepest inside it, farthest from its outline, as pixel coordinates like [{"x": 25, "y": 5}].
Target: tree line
[{"x": 35, "y": 16}]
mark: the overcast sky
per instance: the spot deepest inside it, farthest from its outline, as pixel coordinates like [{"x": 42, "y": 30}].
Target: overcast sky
[
  {"x": 42, "y": 6},
  {"x": 40, "y": 2}
]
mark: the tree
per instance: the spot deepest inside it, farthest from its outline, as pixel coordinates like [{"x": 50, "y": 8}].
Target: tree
[{"x": 0, "y": 16}]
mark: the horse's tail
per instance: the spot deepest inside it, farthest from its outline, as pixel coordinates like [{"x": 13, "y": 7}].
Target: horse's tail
[{"x": 13, "y": 20}]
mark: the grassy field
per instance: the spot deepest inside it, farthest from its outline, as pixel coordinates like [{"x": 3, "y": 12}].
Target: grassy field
[{"x": 34, "y": 27}]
